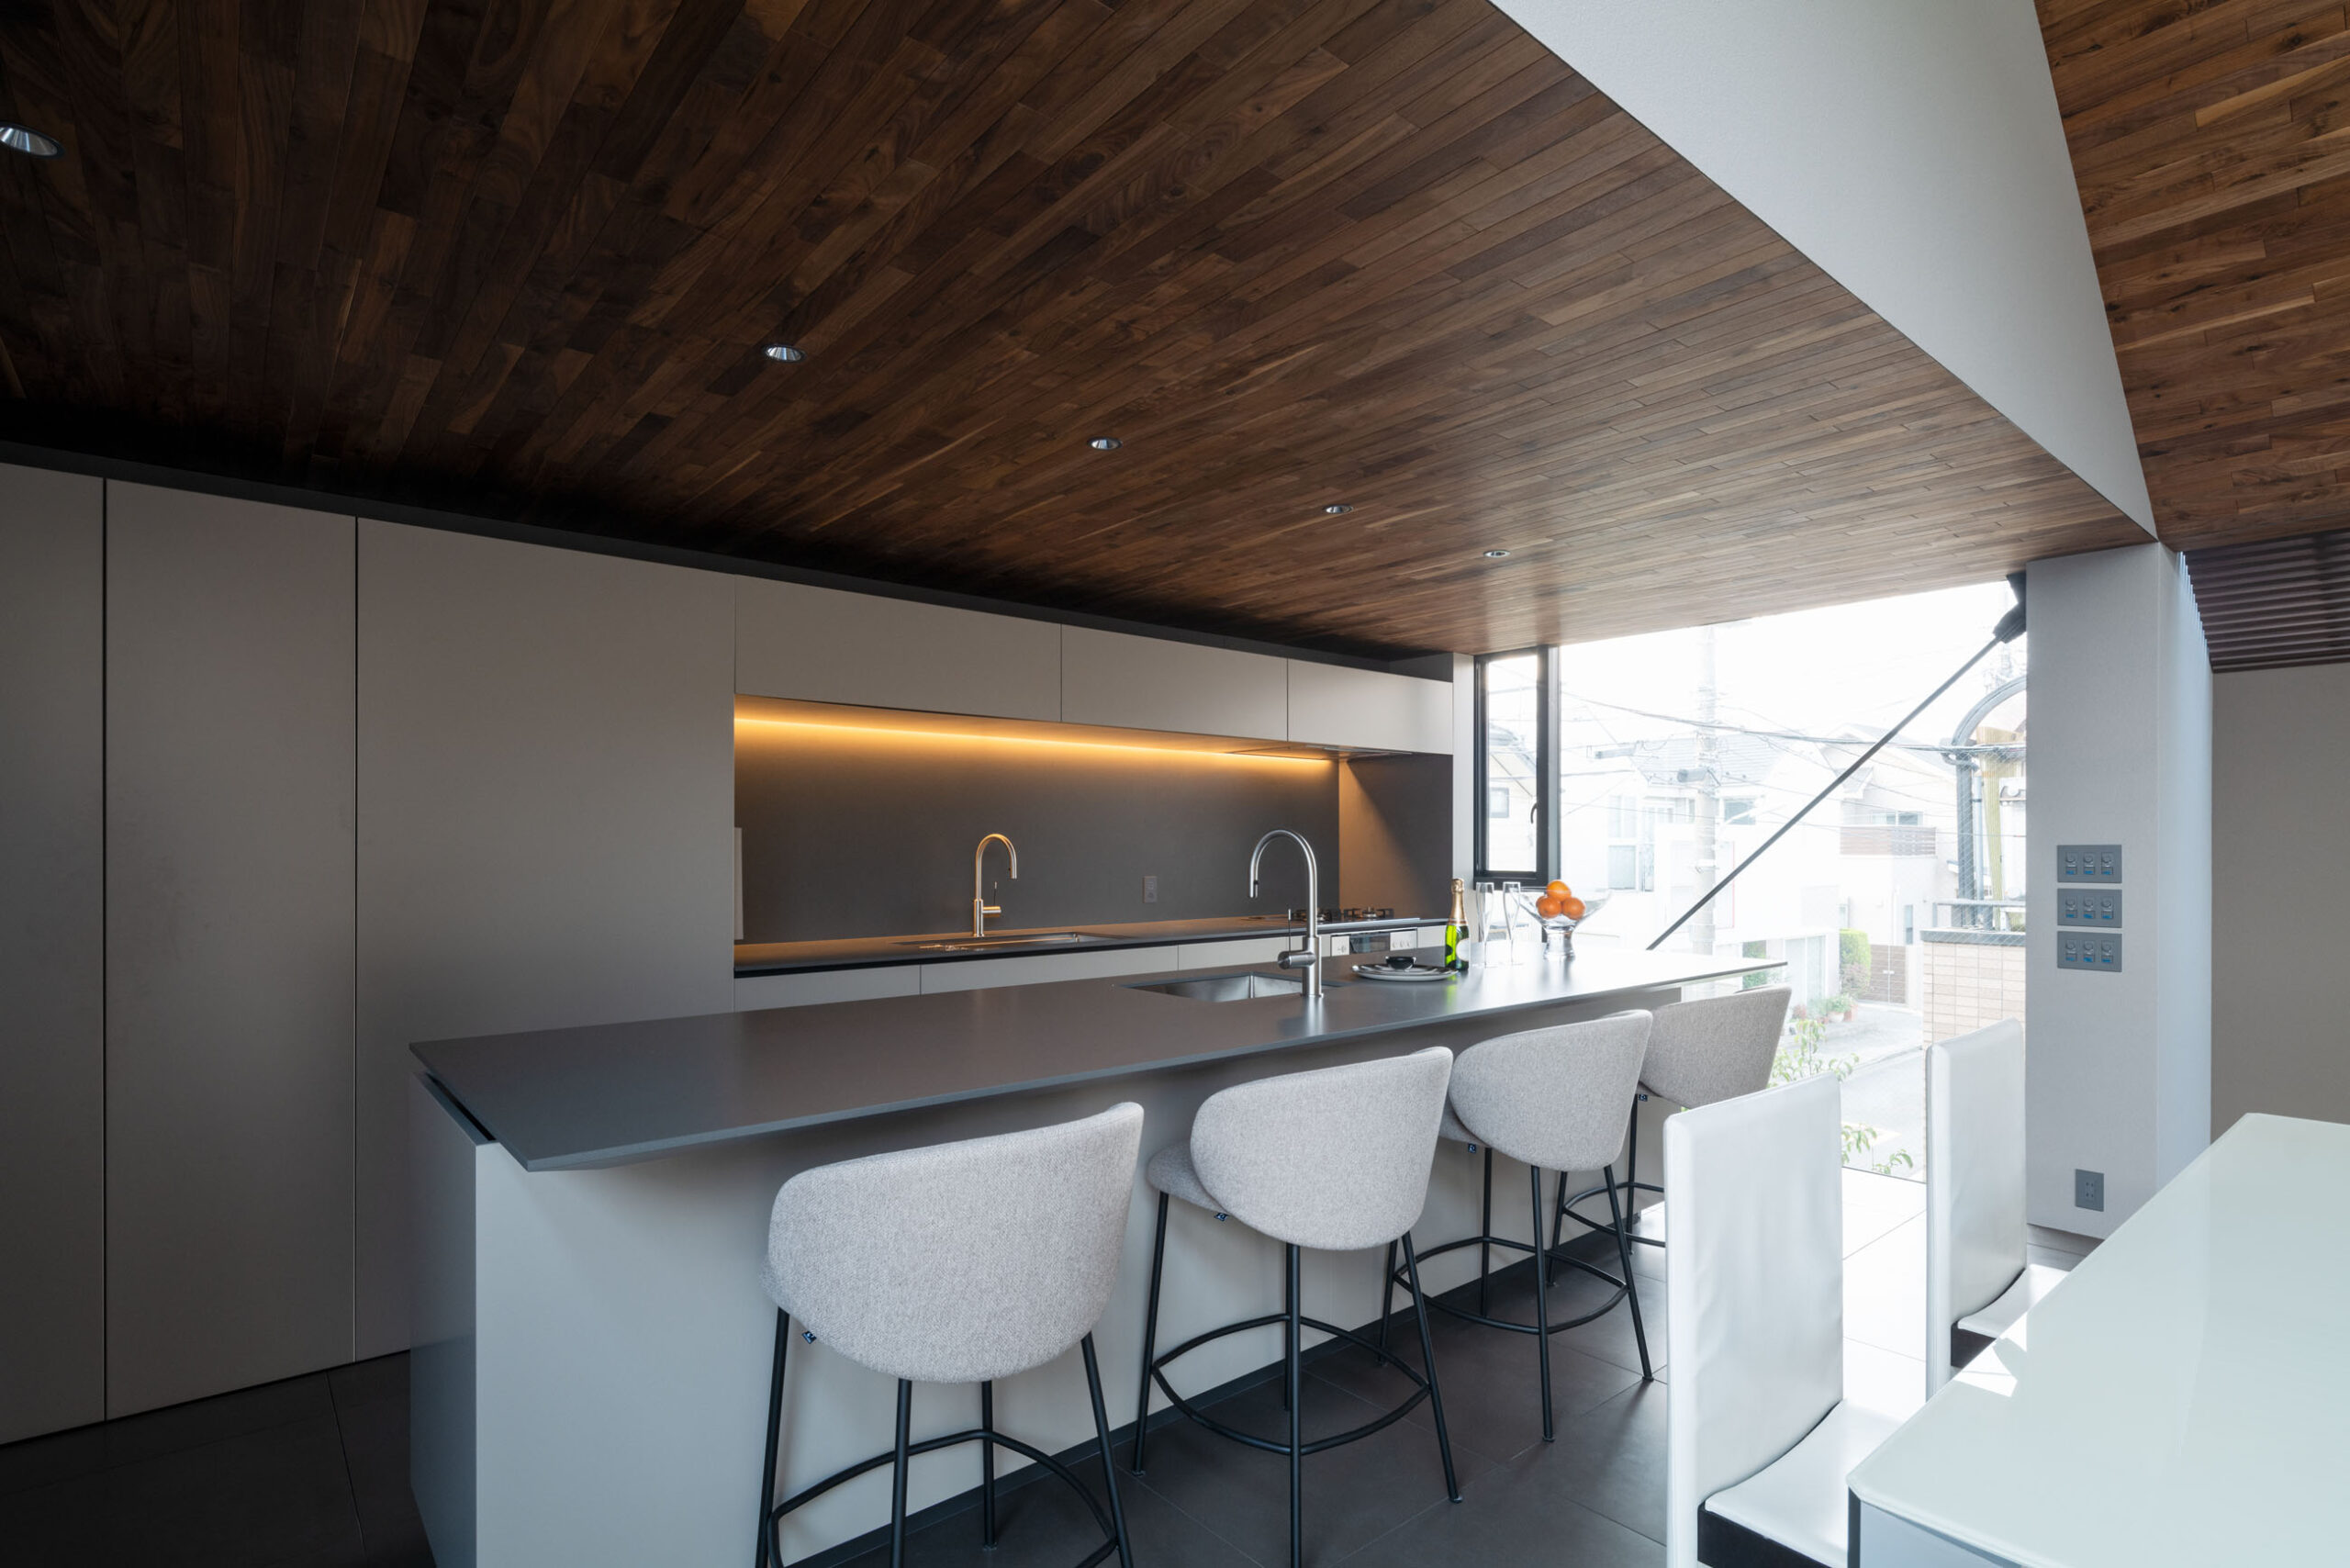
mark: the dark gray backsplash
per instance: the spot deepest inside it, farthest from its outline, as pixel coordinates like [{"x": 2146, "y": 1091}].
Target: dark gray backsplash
[{"x": 848, "y": 835}]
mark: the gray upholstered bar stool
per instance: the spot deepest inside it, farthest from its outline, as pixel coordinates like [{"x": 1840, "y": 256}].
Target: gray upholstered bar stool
[
  {"x": 1336, "y": 1159},
  {"x": 1547, "y": 1098},
  {"x": 1715, "y": 1049},
  {"x": 963, "y": 1262}
]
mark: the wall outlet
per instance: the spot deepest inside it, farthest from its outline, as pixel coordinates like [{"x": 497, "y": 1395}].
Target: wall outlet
[
  {"x": 2089, "y": 906},
  {"x": 1150, "y": 889},
  {"x": 2089, "y": 1190},
  {"x": 2088, "y": 862}
]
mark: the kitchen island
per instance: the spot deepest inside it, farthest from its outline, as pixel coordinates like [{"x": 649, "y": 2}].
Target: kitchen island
[{"x": 591, "y": 1341}]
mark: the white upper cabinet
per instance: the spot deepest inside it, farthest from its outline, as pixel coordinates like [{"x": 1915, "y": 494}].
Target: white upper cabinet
[
  {"x": 1332, "y": 705},
  {"x": 1149, "y": 683},
  {"x": 824, "y": 646}
]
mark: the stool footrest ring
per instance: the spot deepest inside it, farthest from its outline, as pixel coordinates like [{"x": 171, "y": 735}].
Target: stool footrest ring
[
  {"x": 1468, "y": 1316},
  {"x": 1567, "y": 1208},
  {"x": 931, "y": 1445},
  {"x": 1159, "y": 1374}
]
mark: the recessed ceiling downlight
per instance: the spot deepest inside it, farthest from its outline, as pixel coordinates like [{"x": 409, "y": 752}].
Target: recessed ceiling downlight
[
  {"x": 1338, "y": 508},
  {"x": 1105, "y": 443},
  {"x": 783, "y": 353},
  {"x": 31, "y": 142},
  {"x": 1496, "y": 554}
]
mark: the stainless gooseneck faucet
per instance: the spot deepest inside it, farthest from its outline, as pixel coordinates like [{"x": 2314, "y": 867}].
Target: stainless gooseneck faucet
[
  {"x": 981, "y": 908},
  {"x": 1310, "y": 957}
]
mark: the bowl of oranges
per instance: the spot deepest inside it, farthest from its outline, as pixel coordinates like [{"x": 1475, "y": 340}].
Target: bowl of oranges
[{"x": 1557, "y": 910}]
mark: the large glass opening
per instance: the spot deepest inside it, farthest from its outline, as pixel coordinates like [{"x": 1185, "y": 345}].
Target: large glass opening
[{"x": 1897, "y": 905}]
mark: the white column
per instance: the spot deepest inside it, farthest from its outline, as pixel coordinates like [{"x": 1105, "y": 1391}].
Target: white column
[{"x": 2120, "y": 752}]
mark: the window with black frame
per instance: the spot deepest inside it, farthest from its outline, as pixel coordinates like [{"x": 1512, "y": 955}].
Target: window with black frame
[{"x": 1514, "y": 788}]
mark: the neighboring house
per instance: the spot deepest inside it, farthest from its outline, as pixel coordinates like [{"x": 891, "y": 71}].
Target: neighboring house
[{"x": 1880, "y": 856}]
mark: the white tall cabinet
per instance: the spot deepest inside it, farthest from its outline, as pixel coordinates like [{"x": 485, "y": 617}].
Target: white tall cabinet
[
  {"x": 229, "y": 792},
  {"x": 52, "y": 1062},
  {"x": 546, "y": 807}
]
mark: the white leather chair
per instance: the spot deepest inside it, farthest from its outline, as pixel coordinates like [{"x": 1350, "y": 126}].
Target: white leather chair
[
  {"x": 1978, "y": 1279},
  {"x": 1760, "y": 1436}
]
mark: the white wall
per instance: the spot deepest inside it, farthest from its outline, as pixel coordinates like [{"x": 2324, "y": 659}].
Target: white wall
[
  {"x": 2121, "y": 1065},
  {"x": 1913, "y": 149},
  {"x": 2281, "y": 878}
]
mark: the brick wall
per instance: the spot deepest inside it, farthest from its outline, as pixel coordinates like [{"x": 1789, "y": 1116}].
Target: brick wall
[{"x": 1973, "y": 977}]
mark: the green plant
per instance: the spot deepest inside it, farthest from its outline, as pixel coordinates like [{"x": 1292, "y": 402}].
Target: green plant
[
  {"x": 1800, "y": 1056},
  {"x": 1852, "y": 953},
  {"x": 1760, "y": 976},
  {"x": 1860, "y": 1138},
  {"x": 1840, "y": 1002}
]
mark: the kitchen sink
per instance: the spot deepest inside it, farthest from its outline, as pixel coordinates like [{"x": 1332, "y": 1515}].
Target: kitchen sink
[
  {"x": 985, "y": 944},
  {"x": 1242, "y": 987}
]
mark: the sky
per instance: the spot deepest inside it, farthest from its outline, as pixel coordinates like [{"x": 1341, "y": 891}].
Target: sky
[{"x": 1816, "y": 671}]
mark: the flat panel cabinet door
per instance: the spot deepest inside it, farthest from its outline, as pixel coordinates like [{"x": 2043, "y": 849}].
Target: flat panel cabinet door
[
  {"x": 753, "y": 992},
  {"x": 229, "y": 886},
  {"x": 546, "y": 809},
  {"x": 52, "y": 953},
  {"x": 1151, "y": 683},
  {"x": 822, "y": 645},
  {"x": 1332, "y": 705},
  {"x": 1039, "y": 968}
]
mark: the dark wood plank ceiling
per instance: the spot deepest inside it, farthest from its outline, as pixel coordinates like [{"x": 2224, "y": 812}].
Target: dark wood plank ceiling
[
  {"x": 2208, "y": 141},
  {"x": 1391, "y": 254},
  {"x": 2275, "y": 603}
]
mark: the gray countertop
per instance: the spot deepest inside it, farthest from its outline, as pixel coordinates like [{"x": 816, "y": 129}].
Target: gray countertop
[
  {"x": 566, "y": 1099},
  {"x": 876, "y": 952}
]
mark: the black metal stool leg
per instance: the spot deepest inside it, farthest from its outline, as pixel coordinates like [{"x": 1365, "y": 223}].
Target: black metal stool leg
[
  {"x": 1386, "y": 1299},
  {"x": 898, "y": 1475},
  {"x": 1485, "y": 1228},
  {"x": 1427, "y": 1361},
  {"x": 1289, "y": 1311},
  {"x": 1296, "y": 1432},
  {"x": 774, "y": 1440},
  {"x": 987, "y": 1468},
  {"x": 1542, "y": 1303},
  {"x": 1109, "y": 1470},
  {"x": 1631, "y": 1285},
  {"x": 1149, "y": 1336}
]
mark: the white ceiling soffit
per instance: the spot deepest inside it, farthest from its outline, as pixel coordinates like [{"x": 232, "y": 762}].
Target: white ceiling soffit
[{"x": 1913, "y": 149}]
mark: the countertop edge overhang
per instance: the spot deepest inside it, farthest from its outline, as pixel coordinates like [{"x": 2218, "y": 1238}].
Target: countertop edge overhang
[
  {"x": 755, "y": 958},
  {"x": 621, "y": 1094}
]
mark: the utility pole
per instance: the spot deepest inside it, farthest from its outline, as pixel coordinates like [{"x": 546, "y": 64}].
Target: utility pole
[{"x": 1709, "y": 806}]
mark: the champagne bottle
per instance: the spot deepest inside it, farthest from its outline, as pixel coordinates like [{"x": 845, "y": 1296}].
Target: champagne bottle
[{"x": 1456, "y": 927}]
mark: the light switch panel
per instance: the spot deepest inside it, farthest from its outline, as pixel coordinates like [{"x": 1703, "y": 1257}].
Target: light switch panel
[
  {"x": 2095, "y": 907},
  {"x": 2088, "y": 862},
  {"x": 2098, "y": 951}
]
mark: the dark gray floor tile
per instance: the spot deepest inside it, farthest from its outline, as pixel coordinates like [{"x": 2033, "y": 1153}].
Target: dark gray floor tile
[
  {"x": 1612, "y": 1459},
  {"x": 1042, "y": 1524},
  {"x": 44, "y": 1462},
  {"x": 135, "y": 1438},
  {"x": 369, "y": 1382},
  {"x": 278, "y": 1495},
  {"x": 1489, "y": 1378},
  {"x": 1608, "y": 1337},
  {"x": 370, "y": 1408},
  {"x": 1519, "y": 1512},
  {"x": 130, "y": 1439},
  {"x": 1352, "y": 1494}
]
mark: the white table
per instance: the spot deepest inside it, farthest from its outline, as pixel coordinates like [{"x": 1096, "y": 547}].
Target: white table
[{"x": 2183, "y": 1399}]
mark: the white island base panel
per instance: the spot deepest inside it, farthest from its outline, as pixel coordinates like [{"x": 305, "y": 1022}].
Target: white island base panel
[{"x": 589, "y": 1380}]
